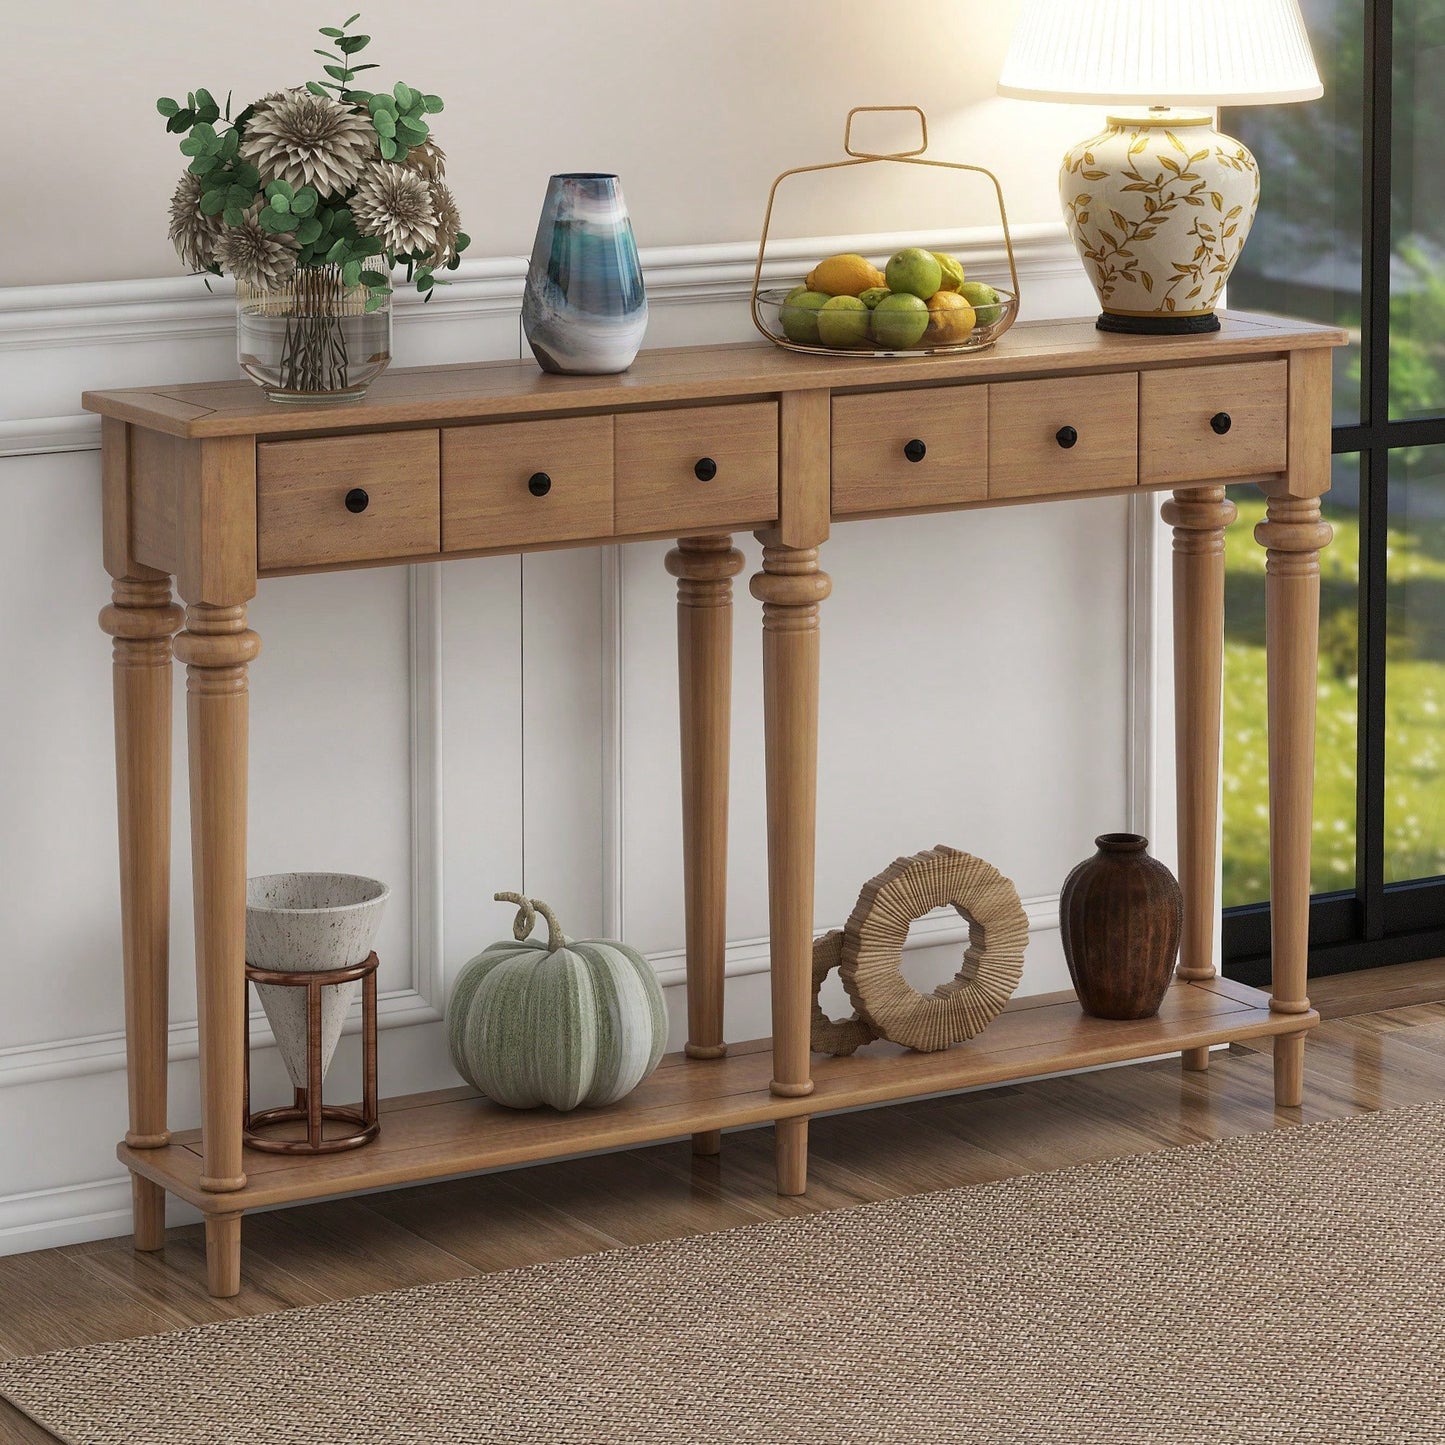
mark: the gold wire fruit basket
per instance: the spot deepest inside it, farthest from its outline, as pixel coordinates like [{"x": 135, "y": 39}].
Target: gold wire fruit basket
[{"x": 949, "y": 320}]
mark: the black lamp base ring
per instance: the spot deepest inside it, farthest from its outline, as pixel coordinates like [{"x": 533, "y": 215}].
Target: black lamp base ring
[{"x": 1161, "y": 325}]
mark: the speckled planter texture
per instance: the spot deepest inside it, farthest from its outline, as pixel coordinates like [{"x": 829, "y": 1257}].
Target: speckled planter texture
[{"x": 308, "y": 923}]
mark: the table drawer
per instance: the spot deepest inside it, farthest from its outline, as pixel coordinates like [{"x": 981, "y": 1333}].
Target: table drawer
[
  {"x": 700, "y": 466},
  {"x": 510, "y": 484},
  {"x": 901, "y": 450},
  {"x": 1066, "y": 434},
  {"x": 335, "y": 500},
  {"x": 1199, "y": 423}
]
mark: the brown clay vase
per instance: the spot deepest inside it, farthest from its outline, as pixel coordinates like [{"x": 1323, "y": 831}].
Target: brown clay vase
[{"x": 1121, "y": 912}]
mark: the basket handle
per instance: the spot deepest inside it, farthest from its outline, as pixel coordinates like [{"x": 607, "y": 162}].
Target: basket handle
[{"x": 885, "y": 109}]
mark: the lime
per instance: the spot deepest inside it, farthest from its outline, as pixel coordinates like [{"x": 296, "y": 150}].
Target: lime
[
  {"x": 900, "y": 320},
  {"x": 952, "y": 271},
  {"x": 873, "y": 295},
  {"x": 843, "y": 322},
  {"x": 799, "y": 315},
  {"x": 984, "y": 300},
  {"x": 915, "y": 271}
]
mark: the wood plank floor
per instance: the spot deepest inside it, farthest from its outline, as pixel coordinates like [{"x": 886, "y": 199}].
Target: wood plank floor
[{"x": 1382, "y": 1044}]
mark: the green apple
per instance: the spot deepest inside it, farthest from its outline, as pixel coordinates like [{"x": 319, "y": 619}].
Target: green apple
[
  {"x": 915, "y": 271},
  {"x": 799, "y": 315},
  {"x": 899, "y": 320},
  {"x": 843, "y": 322},
  {"x": 984, "y": 300}
]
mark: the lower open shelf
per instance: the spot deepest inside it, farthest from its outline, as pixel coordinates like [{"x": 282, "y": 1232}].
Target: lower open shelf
[{"x": 455, "y": 1131}]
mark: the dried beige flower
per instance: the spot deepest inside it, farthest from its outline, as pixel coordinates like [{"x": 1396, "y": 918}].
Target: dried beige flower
[
  {"x": 309, "y": 140},
  {"x": 193, "y": 234},
  {"x": 449, "y": 223},
  {"x": 396, "y": 206},
  {"x": 257, "y": 257}
]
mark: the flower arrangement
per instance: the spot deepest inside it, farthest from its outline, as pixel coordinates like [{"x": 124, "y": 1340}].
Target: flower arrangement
[{"x": 318, "y": 192}]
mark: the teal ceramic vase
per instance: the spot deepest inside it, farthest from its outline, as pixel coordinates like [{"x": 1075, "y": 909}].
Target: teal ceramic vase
[{"x": 584, "y": 309}]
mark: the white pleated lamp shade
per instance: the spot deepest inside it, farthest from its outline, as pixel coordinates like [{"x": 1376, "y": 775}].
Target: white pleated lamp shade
[{"x": 1161, "y": 52}]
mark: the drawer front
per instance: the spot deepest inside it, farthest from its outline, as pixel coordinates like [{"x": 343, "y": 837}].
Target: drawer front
[
  {"x": 330, "y": 501},
  {"x": 901, "y": 450},
  {"x": 1199, "y": 423},
  {"x": 1067, "y": 434},
  {"x": 664, "y": 482},
  {"x": 510, "y": 484}
]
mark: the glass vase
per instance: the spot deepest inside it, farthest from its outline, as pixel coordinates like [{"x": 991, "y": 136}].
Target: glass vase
[
  {"x": 584, "y": 309},
  {"x": 312, "y": 340}
]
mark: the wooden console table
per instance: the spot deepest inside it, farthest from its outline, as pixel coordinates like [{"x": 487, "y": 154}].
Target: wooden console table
[{"x": 215, "y": 487}]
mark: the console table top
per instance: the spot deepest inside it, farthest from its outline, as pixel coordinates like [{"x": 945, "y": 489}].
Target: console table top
[{"x": 677, "y": 374}]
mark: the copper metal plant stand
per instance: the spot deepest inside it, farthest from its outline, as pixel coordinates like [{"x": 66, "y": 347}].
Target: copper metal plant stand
[{"x": 309, "y": 1107}]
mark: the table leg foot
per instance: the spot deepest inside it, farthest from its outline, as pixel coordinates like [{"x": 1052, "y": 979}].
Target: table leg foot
[
  {"x": 223, "y": 1255},
  {"x": 791, "y": 1143},
  {"x": 1195, "y": 1061},
  {"x": 708, "y": 1141},
  {"x": 148, "y": 1214},
  {"x": 1289, "y": 1070}
]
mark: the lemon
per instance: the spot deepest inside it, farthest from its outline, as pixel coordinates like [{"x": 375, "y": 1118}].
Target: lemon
[
  {"x": 873, "y": 295},
  {"x": 799, "y": 315},
  {"x": 950, "y": 318},
  {"x": 952, "y": 271},
  {"x": 915, "y": 271},
  {"x": 843, "y": 322},
  {"x": 848, "y": 275},
  {"x": 899, "y": 320}
]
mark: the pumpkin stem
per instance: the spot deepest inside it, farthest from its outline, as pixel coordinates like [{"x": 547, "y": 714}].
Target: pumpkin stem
[
  {"x": 526, "y": 919},
  {"x": 555, "y": 937}
]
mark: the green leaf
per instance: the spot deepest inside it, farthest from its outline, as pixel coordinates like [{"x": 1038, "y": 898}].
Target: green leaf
[
  {"x": 463, "y": 241},
  {"x": 350, "y": 44},
  {"x": 385, "y": 123},
  {"x": 374, "y": 278},
  {"x": 213, "y": 203},
  {"x": 181, "y": 122},
  {"x": 368, "y": 246},
  {"x": 316, "y": 88},
  {"x": 303, "y": 203},
  {"x": 246, "y": 174},
  {"x": 240, "y": 195},
  {"x": 205, "y": 97},
  {"x": 375, "y": 302},
  {"x": 424, "y": 281},
  {"x": 279, "y": 188},
  {"x": 402, "y": 92},
  {"x": 381, "y": 101},
  {"x": 275, "y": 221},
  {"x": 202, "y": 165},
  {"x": 205, "y": 130},
  {"x": 411, "y": 132},
  {"x": 353, "y": 20},
  {"x": 167, "y": 106},
  {"x": 355, "y": 69},
  {"x": 337, "y": 254},
  {"x": 431, "y": 104},
  {"x": 308, "y": 231},
  {"x": 337, "y": 72},
  {"x": 351, "y": 273},
  {"x": 193, "y": 145},
  {"x": 280, "y": 205},
  {"x": 388, "y": 148},
  {"x": 233, "y": 215},
  {"x": 331, "y": 32}
]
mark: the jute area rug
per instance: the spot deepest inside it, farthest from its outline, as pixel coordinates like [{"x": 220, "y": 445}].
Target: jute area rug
[{"x": 1286, "y": 1286}]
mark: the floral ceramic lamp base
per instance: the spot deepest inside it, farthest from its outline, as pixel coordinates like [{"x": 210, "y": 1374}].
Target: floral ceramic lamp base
[{"x": 1159, "y": 207}]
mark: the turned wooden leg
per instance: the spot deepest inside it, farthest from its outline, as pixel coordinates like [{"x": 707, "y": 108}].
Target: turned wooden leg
[
  {"x": 1293, "y": 535},
  {"x": 216, "y": 648},
  {"x": 705, "y": 567},
  {"x": 223, "y": 1255},
  {"x": 1199, "y": 516},
  {"x": 142, "y": 618},
  {"x": 791, "y": 587}
]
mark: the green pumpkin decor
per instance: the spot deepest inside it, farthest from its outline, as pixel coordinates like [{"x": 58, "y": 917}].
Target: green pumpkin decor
[{"x": 560, "y": 1023}]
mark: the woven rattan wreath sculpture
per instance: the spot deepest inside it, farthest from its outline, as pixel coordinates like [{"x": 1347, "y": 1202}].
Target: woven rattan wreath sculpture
[
  {"x": 871, "y": 952},
  {"x": 833, "y": 1036}
]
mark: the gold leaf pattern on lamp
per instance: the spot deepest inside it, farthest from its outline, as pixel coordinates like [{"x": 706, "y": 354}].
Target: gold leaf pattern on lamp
[{"x": 1159, "y": 215}]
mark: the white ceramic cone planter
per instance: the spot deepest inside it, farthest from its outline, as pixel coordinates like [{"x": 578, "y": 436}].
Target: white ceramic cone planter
[{"x": 308, "y": 923}]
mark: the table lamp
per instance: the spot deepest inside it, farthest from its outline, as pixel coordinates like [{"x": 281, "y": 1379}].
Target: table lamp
[{"x": 1159, "y": 203}]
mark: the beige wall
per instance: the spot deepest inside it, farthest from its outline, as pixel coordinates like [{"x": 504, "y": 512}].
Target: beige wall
[{"x": 696, "y": 105}]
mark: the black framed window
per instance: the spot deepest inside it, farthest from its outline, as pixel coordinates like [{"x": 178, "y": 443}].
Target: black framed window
[{"x": 1351, "y": 231}]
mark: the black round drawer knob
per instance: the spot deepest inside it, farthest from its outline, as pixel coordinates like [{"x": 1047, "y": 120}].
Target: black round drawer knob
[
  {"x": 705, "y": 469},
  {"x": 1066, "y": 436},
  {"x": 539, "y": 484},
  {"x": 1221, "y": 421},
  {"x": 357, "y": 500},
  {"x": 915, "y": 450}
]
